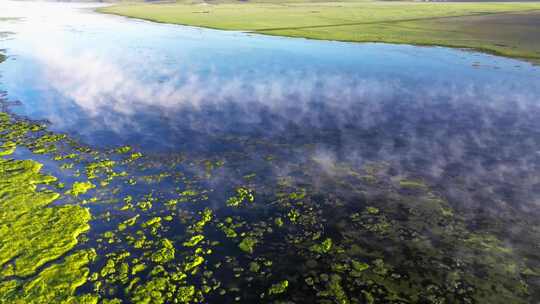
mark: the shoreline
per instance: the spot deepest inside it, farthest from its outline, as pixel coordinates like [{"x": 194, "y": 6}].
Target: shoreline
[{"x": 453, "y": 44}]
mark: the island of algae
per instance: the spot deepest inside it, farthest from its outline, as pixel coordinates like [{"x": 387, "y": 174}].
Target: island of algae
[{"x": 35, "y": 233}]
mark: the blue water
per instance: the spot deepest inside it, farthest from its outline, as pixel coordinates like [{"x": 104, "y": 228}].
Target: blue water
[{"x": 110, "y": 79}]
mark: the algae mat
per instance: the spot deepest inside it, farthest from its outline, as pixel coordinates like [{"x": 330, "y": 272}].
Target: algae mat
[{"x": 370, "y": 239}]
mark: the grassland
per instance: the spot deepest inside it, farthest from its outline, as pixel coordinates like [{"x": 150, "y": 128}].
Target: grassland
[{"x": 509, "y": 29}]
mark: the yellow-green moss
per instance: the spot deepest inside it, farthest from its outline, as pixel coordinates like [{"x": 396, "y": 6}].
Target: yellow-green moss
[
  {"x": 412, "y": 184},
  {"x": 242, "y": 195},
  {"x": 323, "y": 247},
  {"x": 32, "y": 233},
  {"x": 165, "y": 254},
  {"x": 278, "y": 288},
  {"x": 194, "y": 263},
  {"x": 194, "y": 240},
  {"x": 55, "y": 284},
  {"x": 79, "y": 188},
  {"x": 247, "y": 244}
]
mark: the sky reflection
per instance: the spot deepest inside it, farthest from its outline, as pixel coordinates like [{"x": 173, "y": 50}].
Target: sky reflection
[{"x": 467, "y": 121}]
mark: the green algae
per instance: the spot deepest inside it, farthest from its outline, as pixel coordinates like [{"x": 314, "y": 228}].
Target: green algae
[
  {"x": 45, "y": 143},
  {"x": 109, "y": 268},
  {"x": 293, "y": 215},
  {"x": 155, "y": 178},
  {"x": 242, "y": 195},
  {"x": 189, "y": 192},
  {"x": 229, "y": 231},
  {"x": 247, "y": 244},
  {"x": 359, "y": 266},
  {"x": 152, "y": 222},
  {"x": 185, "y": 294},
  {"x": 146, "y": 204},
  {"x": 229, "y": 228},
  {"x": 194, "y": 262},
  {"x": 129, "y": 222},
  {"x": 298, "y": 195},
  {"x": 79, "y": 188},
  {"x": 335, "y": 290},
  {"x": 380, "y": 268},
  {"x": 254, "y": 267},
  {"x": 206, "y": 216},
  {"x": 250, "y": 176},
  {"x": 100, "y": 167},
  {"x": 112, "y": 267},
  {"x": 396, "y": 271},
  {"x": 8, "y": 148},
  {"x": 323, "y": 247},
  {"x": 165, "y": 254},
  {"x": 123, "y": 149},
  {"x": 33, "y": 233},
  {"x": 110, "y": 236},
  {"x": 135, "y": 156},
  {"x": 153, "y": 291},
  {"x": 66, "y": 166},
  {"x": 373, "y": 220},
  {"x": 194, "y": 240},
  {"x": 64, "y": 157},
  {"x": 137, "y": 268},
  {"x": 210, "y": 166},
  {"x": 412, "y": 184},
  {"x": 372, "y": 210},
  {"x": 278, "y": 288},
  {"x": 36, "y": 235},
  {"x": 55, "y": 284}
]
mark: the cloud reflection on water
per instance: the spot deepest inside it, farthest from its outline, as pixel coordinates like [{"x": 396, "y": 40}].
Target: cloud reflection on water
[
  {"x": 454, "y": 131},
  {"x": 472, "y": 130}
]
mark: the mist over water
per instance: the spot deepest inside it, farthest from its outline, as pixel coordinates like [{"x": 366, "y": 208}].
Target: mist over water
[{"x": 177, "y": 89}]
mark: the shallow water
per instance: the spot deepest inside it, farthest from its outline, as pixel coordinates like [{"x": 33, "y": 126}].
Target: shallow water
[{"x": 317, "y": 114}]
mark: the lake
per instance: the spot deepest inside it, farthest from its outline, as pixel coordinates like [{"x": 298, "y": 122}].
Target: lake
[{"x": 327, "y": 172}]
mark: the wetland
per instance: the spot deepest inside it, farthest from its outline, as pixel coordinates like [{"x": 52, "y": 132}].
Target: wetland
[{"x": 158, "y": 163}]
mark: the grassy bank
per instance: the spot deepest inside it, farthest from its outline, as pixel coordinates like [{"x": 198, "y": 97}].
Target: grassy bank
[{"x": 509, "y": 29}]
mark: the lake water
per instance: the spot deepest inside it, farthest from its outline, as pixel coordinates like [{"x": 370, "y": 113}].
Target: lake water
[{"x": 337, "y": 127}]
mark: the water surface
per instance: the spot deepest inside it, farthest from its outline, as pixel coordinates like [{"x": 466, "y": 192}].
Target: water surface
[{"x": 318, "y": 114}]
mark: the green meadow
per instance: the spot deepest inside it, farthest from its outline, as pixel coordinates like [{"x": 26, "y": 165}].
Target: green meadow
[{"x": 509, "y": 29}]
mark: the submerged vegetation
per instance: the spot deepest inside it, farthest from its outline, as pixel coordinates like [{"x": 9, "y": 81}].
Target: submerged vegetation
[
  {"x": 392, "y": 242},
  {"x": 33, "y": 232},
  {"x": 80, "y": 188}
]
